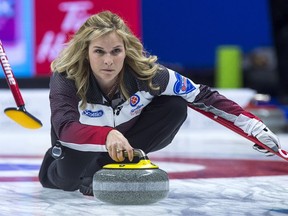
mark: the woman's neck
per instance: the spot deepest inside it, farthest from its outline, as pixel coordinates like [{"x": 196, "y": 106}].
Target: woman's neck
[{"x": 109, "y": 89}]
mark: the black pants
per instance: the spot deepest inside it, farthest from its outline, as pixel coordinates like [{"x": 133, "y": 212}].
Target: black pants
[{"x": 155, "y": 129}]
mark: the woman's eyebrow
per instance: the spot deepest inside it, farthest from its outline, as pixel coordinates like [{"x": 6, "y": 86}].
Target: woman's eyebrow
[
  {"x": 117, "y": 46},
  {"x": 98, "y": 47}
]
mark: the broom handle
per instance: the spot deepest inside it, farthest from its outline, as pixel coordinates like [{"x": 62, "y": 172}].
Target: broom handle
[
  {"x": 10, "y": 78},
  {"x": 282, "y": 153}
]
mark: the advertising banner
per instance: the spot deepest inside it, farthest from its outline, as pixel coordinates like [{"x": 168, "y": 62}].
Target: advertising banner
[{"x": 16, "y": 34}]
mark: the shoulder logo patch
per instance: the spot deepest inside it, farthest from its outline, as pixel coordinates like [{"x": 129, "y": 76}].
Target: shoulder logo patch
[{"x": 182, "y": 85}]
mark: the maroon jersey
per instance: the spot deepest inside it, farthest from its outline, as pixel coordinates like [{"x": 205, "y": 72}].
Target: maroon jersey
[{"x": 87, "y": 129}]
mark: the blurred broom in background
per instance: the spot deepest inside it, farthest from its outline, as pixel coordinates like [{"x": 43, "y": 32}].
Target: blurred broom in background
[{"x": 19, "y": 114}]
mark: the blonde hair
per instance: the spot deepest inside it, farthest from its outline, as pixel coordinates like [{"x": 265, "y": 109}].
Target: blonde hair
[{"x": 73, "y": 58}]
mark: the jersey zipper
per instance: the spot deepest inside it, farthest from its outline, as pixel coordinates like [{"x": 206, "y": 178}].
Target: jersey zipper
[{"x": 116, "y": 112}]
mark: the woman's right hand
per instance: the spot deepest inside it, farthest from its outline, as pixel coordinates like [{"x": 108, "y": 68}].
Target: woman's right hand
[{"x": 116, "y": 143}]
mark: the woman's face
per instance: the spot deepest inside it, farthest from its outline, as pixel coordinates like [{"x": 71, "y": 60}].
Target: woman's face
[{"x": 106, "y": 56}]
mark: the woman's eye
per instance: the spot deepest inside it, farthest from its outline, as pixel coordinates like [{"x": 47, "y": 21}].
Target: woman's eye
[
  {"x": 116, "y": 51},
  {"x": 99, "y": 51}
]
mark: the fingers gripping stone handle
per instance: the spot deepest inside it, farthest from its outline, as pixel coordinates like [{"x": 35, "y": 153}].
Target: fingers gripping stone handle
[{"x": 137, "y": 153}]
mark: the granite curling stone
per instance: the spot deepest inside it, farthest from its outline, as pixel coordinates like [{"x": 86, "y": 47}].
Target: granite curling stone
[{"x": 131, "y": 184}]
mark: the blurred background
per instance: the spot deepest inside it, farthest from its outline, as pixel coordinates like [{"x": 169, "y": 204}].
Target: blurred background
[{"x": 224, "y": 44}]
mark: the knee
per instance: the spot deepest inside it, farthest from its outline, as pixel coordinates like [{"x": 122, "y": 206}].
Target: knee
[
  {"x": 64, "y": 183},
  {"x": 176, "y": 106},
  {"x": 178, "y": 103}
]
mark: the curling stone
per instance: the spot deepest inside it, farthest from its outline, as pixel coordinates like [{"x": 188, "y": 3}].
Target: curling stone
[{"x": 131, "y": 184}]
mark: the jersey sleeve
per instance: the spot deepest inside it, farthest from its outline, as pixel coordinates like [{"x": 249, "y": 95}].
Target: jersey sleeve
[
  {"x": 65, "y": 118},
  {"x": 204, "y": 98}
]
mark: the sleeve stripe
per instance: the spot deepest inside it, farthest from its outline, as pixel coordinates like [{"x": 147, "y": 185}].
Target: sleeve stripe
[{"x": 85, "y": 147}]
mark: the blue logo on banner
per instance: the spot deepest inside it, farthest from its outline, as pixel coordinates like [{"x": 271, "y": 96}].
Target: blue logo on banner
[
  {"x": 93, "y": 114},
  {"x": 183, "y": 85}
]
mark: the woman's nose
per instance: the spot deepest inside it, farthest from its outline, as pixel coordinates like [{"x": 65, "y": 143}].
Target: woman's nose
[{"x": 108, "y": 60}]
